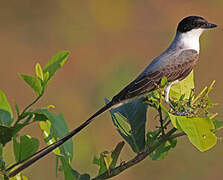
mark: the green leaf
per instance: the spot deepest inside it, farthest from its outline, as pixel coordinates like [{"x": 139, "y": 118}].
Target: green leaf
[
  {"x": 46, "y": 77},
  {"x": 57, "y": 165},
  {"x": 48, "y": 135},
  {"x": 163, "y": 82},
  {"x": 69, "y": 173},
  {"x": 66, "y": 168},
  {"x": 16, "y": 149},
  {"x": 55, "y": 63},
  {"x": 198, "y": 130},
  {"x": 39, "y": 71},
  {"x": 162, "y": 151},
  {"x": 54, "y": 129},
  {"x": 5, "y": 118},
  {"x": 16, "y": 128},
  {"x": 5, "y": 111},
  {"x": 1, "y": 150},
  {"x": 17, "y": 108},
  {"x": 6, "y": 134},
  {"x": 100, "y": 162},
  {"x": 79, "y": 176},
  {"x": 130, "y": 120},
  {"x": 26, "y": 147},
  {"x": 39, "y": 117},
  {"x": 183, "y": 87},
  {"x": 4, "y": 103},
  {"x": 115, "y": 154},
  {"x": 33, "y": 82},
  {"x": 2, "y": 163},
  {"x": 108, "y": 160},
  {"x": 218, "y": 124}
]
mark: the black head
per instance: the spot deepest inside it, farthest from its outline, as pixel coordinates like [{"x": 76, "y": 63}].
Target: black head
[{"x": 194, "y": 22}]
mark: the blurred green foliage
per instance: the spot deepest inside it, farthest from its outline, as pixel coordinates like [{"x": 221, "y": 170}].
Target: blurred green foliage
[{"x": 52, "y": 125}]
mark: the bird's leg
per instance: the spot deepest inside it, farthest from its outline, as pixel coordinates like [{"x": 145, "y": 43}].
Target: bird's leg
[
  {"x": 167, "y": 99},
  {"x": 167, "y": 91}
]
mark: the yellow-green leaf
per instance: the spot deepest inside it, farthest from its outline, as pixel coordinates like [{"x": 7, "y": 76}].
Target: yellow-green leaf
[
  {"x": 4, "y": 103},
  {"x": 5, "y": 110},
  {"x": 39, "y": 71},
  {"x": 26, "y": 147},
  {"x": 33, "y": 82},
  {"x": 198, "y": 130},
  {"x": 53, "y": 129},
  {"x": 108, "y": 160},
  {"x": 183, "y": 87},
  {"x": 55, "y": 63},
  {"x": 45, "y": 127},
  {"x": 46, "y": 77}
]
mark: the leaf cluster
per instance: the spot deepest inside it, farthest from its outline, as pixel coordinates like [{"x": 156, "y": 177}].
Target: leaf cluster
[{"x": 53, "y": 125}]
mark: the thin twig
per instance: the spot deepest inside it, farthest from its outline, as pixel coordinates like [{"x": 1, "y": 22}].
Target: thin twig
[
  {"x": 161, "y": 121},
  {"x": 177, "y": 135},
  {"x": 160, "y": 130},
  {"x": 26, "y": 108}
]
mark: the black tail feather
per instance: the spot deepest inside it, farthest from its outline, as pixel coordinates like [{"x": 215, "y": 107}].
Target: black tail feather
[{"x": 41, "y": 153}]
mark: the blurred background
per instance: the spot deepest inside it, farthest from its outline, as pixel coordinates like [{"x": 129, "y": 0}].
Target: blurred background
[{"x": 110, "y": 43}]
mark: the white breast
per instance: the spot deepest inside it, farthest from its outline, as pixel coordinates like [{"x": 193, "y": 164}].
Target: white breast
[{"x": 189, "y": 40}]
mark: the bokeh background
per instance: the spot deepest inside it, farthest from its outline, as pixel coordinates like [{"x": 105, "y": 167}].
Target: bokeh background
[{"x": 110, "y": 42}]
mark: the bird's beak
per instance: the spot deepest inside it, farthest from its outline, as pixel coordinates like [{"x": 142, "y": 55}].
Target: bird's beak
[{"x": 209, "y": 25}]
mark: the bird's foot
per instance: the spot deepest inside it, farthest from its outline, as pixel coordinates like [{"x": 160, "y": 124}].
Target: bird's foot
[{"x": 176, "y": 110}]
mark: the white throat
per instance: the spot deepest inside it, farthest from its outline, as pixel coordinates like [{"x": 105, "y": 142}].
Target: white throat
[{"x": 188, "y": 40}]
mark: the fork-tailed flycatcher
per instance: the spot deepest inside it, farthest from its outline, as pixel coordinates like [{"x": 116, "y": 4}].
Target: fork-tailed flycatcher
[{"x": 175, "y": 63}]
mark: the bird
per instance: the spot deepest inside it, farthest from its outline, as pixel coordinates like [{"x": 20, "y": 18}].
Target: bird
[{"x": 175, "y": 63}]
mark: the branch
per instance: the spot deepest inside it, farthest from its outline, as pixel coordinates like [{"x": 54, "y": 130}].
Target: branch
[
  {"x": 141, "y": 156},
  {"x": 177, "y": 135},
  {"x": 161, "y": 120},
  {"x": 32, "y": 103},
  {"x": 27, "y": 107}
]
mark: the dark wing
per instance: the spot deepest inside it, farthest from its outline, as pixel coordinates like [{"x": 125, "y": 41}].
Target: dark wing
[
  {"x": 175, "y": 68},
  {"x": 181, "y": 66}
]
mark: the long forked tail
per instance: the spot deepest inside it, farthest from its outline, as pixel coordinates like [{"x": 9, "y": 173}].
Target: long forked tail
[{"x": 41, "y": 153}]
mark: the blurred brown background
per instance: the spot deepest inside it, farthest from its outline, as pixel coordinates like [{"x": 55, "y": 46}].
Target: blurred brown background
[{"x": 110, "y": 42}]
